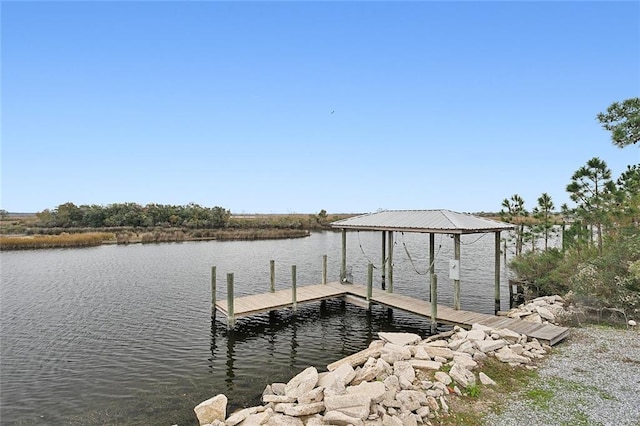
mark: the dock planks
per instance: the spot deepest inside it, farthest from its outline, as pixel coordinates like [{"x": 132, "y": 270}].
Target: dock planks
[{"x": 281, "y": 299}]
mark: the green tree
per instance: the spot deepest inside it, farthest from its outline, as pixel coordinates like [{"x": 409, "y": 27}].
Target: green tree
[
  {"x": 514, "y": 212},
  {"x": 592, "y": 190},
  {"x": 544, "y": 213},
  {"x": 622, "y": 119}
]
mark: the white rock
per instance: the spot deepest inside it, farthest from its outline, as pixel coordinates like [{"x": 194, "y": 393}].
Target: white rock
[
  {"x": 302, "y": 382},
  {"x": 422, "y": 364},
  {"x": 486, "y": 380},
  {"x": 545, "y": 313},
  {"x": 278, "y": 398},
  {"x": 466, "y": 361},
  {"x": 439, "y": 351},
  {"x": 411, "y": 400},
  {"x": 443, "y": 377},
  {"x": 238, "y": 416},
  {"x": 340, "y": 419},
  {"x": 462, "y": 376},
  {"x": 391, "y": 421},
  {"x": 305, "y": 409},
  {"x": 258, "y": 418},
  {"x": 478, "y": 326},
  {"x": 507, "y": 355},
  {"x": 315, "y": 395},
  {"x": 476, "y": 334},
  {"x": 373, "y": 390},
  {"x": 212, "y": 409},
  {"x": 490, "y": 345},
  {"x": 400, "y": 338},
  {"x": 421, "y": 353},
  {"x": 278, "y": 388},
  {"x": 508, "y": 335},
  {"x": 404, "y": 371},
  {"x": 632, "y": 323},
  {"x": 282, "y": 420},
  {"x": 343, "y": 374}
]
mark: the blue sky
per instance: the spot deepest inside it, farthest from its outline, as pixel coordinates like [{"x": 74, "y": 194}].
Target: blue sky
[{"x": 275, "y": 107}]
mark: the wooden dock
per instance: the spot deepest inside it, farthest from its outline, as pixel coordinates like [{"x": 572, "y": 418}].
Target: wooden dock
[{"x": 259, "y": 303}]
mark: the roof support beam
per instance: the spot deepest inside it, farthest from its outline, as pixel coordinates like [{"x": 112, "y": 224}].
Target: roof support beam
[
  {"x": 343, "y": 267},
  {"x": 384, "y": 258},
  {"x": 390, "y": 260},
  {"x": 456, "y": 283},
  {"x": 496, "y": 291}
]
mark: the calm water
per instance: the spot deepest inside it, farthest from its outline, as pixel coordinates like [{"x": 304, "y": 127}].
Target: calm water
[{"x": 124, "y": 334}]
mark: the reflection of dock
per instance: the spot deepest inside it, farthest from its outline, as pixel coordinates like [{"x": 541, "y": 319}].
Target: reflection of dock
[{"x": 255, "y": 304}]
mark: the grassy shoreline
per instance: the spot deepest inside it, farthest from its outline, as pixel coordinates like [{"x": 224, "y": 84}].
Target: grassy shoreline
[{"x": 92, "y": 239}]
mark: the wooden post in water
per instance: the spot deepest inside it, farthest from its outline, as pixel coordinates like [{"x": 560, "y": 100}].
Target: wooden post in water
[
  {"x": 390, "y": 260},
  {"x": 434, "y": 303},
  {"x": 496, "y": 291},
  {"x": 324, "y": 269},
  {"x": 384, "y": 259},
  {"x": 432, "y": 257},
  {"x": 231, "y": 318},
  {"x": 456, "y": 283},
  {"x": 213, "y": 291},
  {"x": 369, "y": 284},
  {"x": 272, "y": 266},
  {"x": 343, "y": 267},
  {"x": 294, "y": 295}
]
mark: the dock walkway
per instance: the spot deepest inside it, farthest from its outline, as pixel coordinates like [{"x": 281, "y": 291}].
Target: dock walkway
[{"x": 259, "y": 303}]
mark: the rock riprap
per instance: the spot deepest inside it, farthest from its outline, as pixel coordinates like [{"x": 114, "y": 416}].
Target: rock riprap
[{"x": 400, "y": 379}]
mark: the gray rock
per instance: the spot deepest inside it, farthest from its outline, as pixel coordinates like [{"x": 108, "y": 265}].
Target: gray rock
[
  {"x": 212, "y": 409},
  {"x": 278, "y": 388},
  {"x": 238, "y": 416}
]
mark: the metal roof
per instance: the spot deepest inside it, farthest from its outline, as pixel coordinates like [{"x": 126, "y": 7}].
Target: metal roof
[{"x": 426, "y": 221}]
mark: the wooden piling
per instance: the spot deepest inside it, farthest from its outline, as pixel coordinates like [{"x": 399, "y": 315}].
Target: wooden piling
[
  {"x": 456, "y": 283},
  {"x": 496, "y": 291},
  {"x": 294, "y": 296},
  {"x": 272, "y": 266},
  {"x": 369, "y": 284},
  {"x": 231, "y": 319},
  {"x": 432, "y": 257},
  {"x": 343, "y": 266},
  {"x": 390, "y": 260},
  {"x": 213, "y": 290},
  {"x": 434, "y": 303},
  {"x": 324, "y": 269}
]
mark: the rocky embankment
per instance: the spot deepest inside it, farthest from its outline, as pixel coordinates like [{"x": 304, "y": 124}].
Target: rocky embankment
[
  {"x": 401, "y": 379},
  {"x": 542, "y": 310}
]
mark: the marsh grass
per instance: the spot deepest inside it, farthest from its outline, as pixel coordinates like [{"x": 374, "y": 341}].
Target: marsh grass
[{"x": 54, "y": 241}]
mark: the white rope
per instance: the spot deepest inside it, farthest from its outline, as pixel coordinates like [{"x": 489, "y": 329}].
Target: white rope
[{"x": 411, "y": 260}]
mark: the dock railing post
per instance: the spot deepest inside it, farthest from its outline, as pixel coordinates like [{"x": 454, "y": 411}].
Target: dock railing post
[
  {"x": 434, "y": 303},
  {"x": 272, "y": 267},
  {"x": 213, "y": 291},
  {"x": 231, "y": 319},
  {"x": 294, "y": 296},
  {"x": 369, "y": 284},
  {"x": 324, "y": 269}
]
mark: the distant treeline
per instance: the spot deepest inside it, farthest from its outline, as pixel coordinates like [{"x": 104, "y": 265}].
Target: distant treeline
[
  {"x": 124, "y": 217},
  {"x": 192, "y": 216}
]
